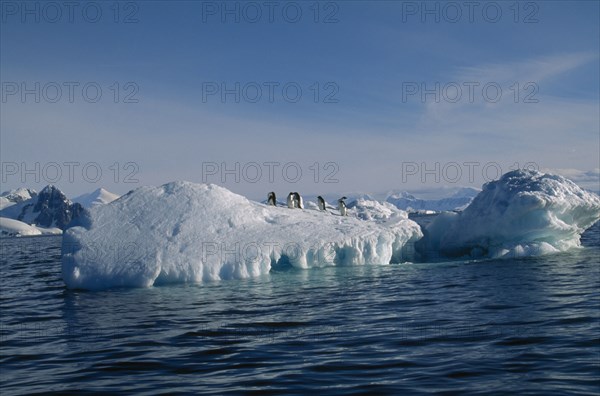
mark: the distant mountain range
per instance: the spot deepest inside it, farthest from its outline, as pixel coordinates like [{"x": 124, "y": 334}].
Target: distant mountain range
[
  {"x": 49, "y": 209},
  {"x": 440, "y": 200},
  {"x": 458, "y": 201},
  {"x": 12, "y": 197},
  {"x": 25, "y": 212}
]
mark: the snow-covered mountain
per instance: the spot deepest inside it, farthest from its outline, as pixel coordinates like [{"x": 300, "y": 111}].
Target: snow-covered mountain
[
  {"x": 9, "y": 198},
  {"x": 97, "y": 197},
  {"x": 458, "y": 201},
  {"x": 48, "y": 209}
]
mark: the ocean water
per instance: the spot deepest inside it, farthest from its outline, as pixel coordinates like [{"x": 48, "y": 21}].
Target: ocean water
[{"x": 529, "y": 325}]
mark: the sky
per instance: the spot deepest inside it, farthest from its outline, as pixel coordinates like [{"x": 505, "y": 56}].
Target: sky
[{"x": 318, "y": 97}]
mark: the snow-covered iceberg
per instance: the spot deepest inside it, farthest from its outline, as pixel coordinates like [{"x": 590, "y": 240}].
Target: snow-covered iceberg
[
  {"x": 523, "y": 213},
  {"x": 186, "y": 232}
]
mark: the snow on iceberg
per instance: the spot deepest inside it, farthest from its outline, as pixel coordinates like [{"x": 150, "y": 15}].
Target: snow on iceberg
[
  {"x": 186, "y": 232},
  {"x": 366, "y": 209},
  {"x": 523, "y": 213}
]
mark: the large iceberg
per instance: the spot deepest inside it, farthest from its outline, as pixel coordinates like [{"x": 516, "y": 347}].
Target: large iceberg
[
  {"x": 523, "y": 213},
  {"x": 186, "y": 232}
]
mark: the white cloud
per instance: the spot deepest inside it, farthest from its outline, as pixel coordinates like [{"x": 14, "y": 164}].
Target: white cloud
[
  {"x": 555, "y": 132},
  {"x": 535, "y": 69}
]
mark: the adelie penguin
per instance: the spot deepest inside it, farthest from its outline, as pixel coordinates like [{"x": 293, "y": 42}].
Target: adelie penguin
[
  {"x": 271, "y": 199},
  {"x": 298, "y": 203},
  {"x": 342, "y": 206},
  {"x": 291, "y": 201},
  {"x": 321, "y": 203}
]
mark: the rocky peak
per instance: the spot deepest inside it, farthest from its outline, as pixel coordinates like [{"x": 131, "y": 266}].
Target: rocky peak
[{"x": 52, "y": 209}]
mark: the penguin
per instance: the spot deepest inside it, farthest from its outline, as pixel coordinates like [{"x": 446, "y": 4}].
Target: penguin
[
  {"x": 321, "y": 202},
  {"x": 298, "y": 202},
  {"x": 342, "y": 206},
  {"x": 291, "y": 201},
  {"x": 272, "y": 199}
]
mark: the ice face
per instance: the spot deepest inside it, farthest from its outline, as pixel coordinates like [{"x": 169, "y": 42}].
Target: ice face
[
  {"x": 523, "y": 213},
  {"x": 185, "y": 232}
]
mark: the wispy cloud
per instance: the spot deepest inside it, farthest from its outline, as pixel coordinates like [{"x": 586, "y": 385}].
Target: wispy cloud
[
  {"x": 535, "y": 69},
  {"x": 553, "y": 131}
]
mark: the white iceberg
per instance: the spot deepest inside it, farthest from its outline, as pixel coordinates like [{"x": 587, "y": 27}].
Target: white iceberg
[
  {"x": 523, "y": 213},
  {"x": 186, "y": 232}
]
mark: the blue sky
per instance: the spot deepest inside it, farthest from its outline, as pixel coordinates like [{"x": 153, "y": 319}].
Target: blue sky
[{"x": 367, "y": 130}]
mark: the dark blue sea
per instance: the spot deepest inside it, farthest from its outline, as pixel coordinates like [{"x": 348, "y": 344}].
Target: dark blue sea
[{"x": 527, "y": 326}]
